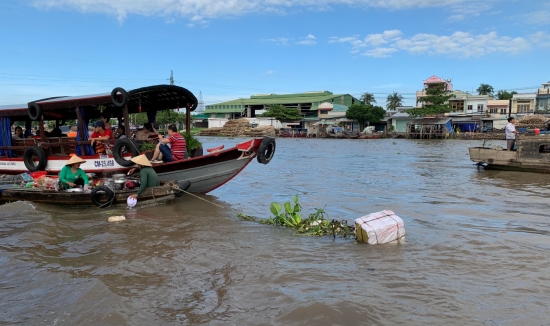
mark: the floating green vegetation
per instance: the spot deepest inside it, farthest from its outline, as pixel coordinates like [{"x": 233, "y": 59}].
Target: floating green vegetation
[{"x": 290, "y": 215}]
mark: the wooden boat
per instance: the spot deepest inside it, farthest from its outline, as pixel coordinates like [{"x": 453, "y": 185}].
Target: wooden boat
[
  {"x": 532, "y": 155},
  {"x": 377, "y": 135},
  {"x": 205, "y": 173},
  {"x": 99, "y": 196}
]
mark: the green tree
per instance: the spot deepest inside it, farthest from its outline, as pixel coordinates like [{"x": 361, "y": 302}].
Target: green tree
[
  {"x": 394, "y": 100},
  {"x": 365, "y": 113},
  {"x": 485, "y": 89},
  {"x": 368, "y": 98},
  {"x": 435, "y": 102},
  {"x": 282, "y": 113},
  {"x": 504, "y": 95}
]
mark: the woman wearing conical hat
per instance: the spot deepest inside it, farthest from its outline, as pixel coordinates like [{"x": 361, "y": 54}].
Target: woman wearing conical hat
[
  {"x": 72, "y": 175},
  {"x": 147, "y": 176}
]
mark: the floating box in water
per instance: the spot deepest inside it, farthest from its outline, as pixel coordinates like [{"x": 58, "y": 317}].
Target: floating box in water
[{"x": 379, "y": 228}]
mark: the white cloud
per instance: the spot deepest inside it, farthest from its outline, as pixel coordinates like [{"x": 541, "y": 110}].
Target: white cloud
[
  {"x": 308, "y": 40},
  {"x": 279, "y": 40},
  {"x": 540, "y": 39},
  {"x": 458, "y": 44},
  {"x": 467, "y": 10},
  {"x": 215, "y": 8}
]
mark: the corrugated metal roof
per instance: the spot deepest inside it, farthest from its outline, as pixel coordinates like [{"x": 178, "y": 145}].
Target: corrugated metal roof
[{"x": 432, "y": 121}]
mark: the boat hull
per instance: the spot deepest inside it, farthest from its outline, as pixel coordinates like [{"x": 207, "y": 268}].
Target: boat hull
[
  {"x": 151, "y": 195},
  {"x": 206, "y": 173}
]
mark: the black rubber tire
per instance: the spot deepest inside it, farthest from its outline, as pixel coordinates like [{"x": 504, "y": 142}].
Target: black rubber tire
[
  {"x": 184, "y": 185},
  {"x": 132, "y": 145},
  {"x": 31, "y": 152},
  {"x": 96, "y": 192},
  {"x": 266, "y": 150},
  {"x": 125, "y": 97},
  {"x": 35, "y": 111}
]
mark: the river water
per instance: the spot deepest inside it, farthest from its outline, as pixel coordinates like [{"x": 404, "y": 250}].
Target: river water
[{"x": 476, "y": 249}]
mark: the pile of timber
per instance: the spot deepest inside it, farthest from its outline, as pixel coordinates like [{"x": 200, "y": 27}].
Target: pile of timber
[
  {"x": 482, "y": 135},
  {"x": 239, "y": 128},
  {"x": 533, "y": 121}
]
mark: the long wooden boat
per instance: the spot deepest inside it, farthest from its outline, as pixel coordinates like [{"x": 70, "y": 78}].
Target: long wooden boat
[
  {"x": 101, "y": 198},
  {"x": 532, "y": 155},
  {"x": 205, "y": 173}
]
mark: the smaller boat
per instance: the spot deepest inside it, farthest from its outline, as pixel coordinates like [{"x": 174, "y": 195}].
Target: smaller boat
[
  {"x": 100, "y": 196},
  {"x": 532, "y": 155}
]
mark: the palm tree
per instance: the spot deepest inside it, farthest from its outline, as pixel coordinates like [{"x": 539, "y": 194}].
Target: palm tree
[
  {"x": 485, "y": 89},
  {"x": 368, "y": 98},
  {"x": 504, "y": 95},
  {"x": 394, "y": 100}
]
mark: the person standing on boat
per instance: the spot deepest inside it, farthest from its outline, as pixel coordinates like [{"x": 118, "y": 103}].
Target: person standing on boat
[
  {"x": 72, "y": 175},
  {"x": 99, "y": 135},
  {"x": 511, "y": 133},
  {"x": 147, "y": 176},
  {"x": 175, "y": 152}
]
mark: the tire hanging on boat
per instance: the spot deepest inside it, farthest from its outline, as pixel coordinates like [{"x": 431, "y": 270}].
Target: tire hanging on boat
[
  {"x": 125, "y": 97},
  {"x": 28, "y": 158},
  {"x": 98, "y": 191},
  {"x": 132, "y": 145},
  {"x": 266, "y": 150},
  {"x": 35, "y": 111}
]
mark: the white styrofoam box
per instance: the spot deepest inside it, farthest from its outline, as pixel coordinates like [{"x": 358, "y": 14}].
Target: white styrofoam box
[{"x": 379, "y": 228}]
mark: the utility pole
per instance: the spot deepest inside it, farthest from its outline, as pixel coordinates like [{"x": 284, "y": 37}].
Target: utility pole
[
  {"x": 171, "y": 77},
  {"x": 200, "y": 107}
]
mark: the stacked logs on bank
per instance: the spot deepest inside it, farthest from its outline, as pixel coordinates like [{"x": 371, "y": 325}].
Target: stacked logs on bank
[
  {"x": 239, "y": 128},
  {"x": 482, "y": 135},
  {"x": 533, "y": 121}
]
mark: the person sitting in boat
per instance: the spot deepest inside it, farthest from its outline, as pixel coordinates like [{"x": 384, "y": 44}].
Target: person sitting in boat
[
  {"x": 120, "y": 132},
  {"x": 99, "y": 136},
  {"x": 146, "y": 133},
  {"x": 18, "y": 133},
  {"x": 147, "y": 176},
  {"x": 105, "y": 117},
  {"x": 176, "y": 152},
  {"x": 71, "y": 175}
]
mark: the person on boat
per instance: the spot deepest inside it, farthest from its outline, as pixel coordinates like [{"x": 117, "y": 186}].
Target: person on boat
[
  {"x": 147, "y": 176},
  {"x": 120, "y": 133},
  {"x": 105, "y": 118},
  {"x": 18, "y": 133},
  {"x": 176, "y": 151},
  {"x": 72, "y": 175},
  {"x": 511, "y": 133},
  {"x": 146, "y": 133},
  {"x": 99, "y": 136}
]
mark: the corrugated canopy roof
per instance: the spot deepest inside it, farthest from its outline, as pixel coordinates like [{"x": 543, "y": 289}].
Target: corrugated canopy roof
[
  {"x": 150, "y": 98},
  {"x": 432, "y": 121}
]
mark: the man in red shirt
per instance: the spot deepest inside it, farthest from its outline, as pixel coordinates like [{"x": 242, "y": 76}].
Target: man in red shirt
[
  {"x": 177, "y": 151},
  {"x": 99, "y": 136}
]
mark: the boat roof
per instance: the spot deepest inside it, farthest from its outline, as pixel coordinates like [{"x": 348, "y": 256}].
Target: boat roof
[{"x": 150, "y": 98}]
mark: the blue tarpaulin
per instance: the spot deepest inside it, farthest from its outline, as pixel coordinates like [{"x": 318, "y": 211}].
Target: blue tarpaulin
[
  {"x": 5, "y": 136},
  {"x": 87, "y": 148}
]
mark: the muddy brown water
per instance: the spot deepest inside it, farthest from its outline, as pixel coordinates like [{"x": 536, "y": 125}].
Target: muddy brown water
[{"x": 476, "y": 253}]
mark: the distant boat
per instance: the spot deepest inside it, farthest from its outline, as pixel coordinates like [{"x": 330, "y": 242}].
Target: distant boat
[{"x": 532, "y": 155}]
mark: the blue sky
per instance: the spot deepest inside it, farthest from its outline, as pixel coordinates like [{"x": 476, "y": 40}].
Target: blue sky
[{"x": 236, "y": 48}]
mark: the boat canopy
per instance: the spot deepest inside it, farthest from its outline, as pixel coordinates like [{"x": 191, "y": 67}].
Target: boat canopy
[{"x": 146, "y": 99}]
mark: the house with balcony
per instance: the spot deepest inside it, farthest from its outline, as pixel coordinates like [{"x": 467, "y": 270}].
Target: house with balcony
[
  {"x": 430, "y": 82},
  {"x": 523, "y": 104},
  {"x": 543, "y": 98},
  {"x": 496, "y": 115}
]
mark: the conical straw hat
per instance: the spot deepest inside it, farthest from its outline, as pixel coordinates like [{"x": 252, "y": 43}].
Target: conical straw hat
[
  {"x": 75, "y": 159},
  {"x": 141, "y": 160}
]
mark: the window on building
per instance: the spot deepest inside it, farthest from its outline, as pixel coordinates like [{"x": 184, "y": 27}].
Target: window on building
[
  {"x": 480, "y": 108},
  {"x": 470, "y": 107},
  {"x": 503, "y": 111},
  {"x": 493, "y": 110},
  {"x": 524, "y": 108}
]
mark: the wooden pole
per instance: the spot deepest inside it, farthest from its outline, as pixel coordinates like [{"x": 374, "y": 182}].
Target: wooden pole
[
  {"x": 41, "y": 128},
  {"x": 188, "y": 119},
  {"x": 81, "y": 128},
  {"x": 126, "y": 121}
]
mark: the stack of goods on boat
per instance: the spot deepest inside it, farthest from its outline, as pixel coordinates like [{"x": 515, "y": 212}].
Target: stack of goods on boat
[
  {"x": 239, "y": 128},
  {"x": 531, "y": 122}
]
